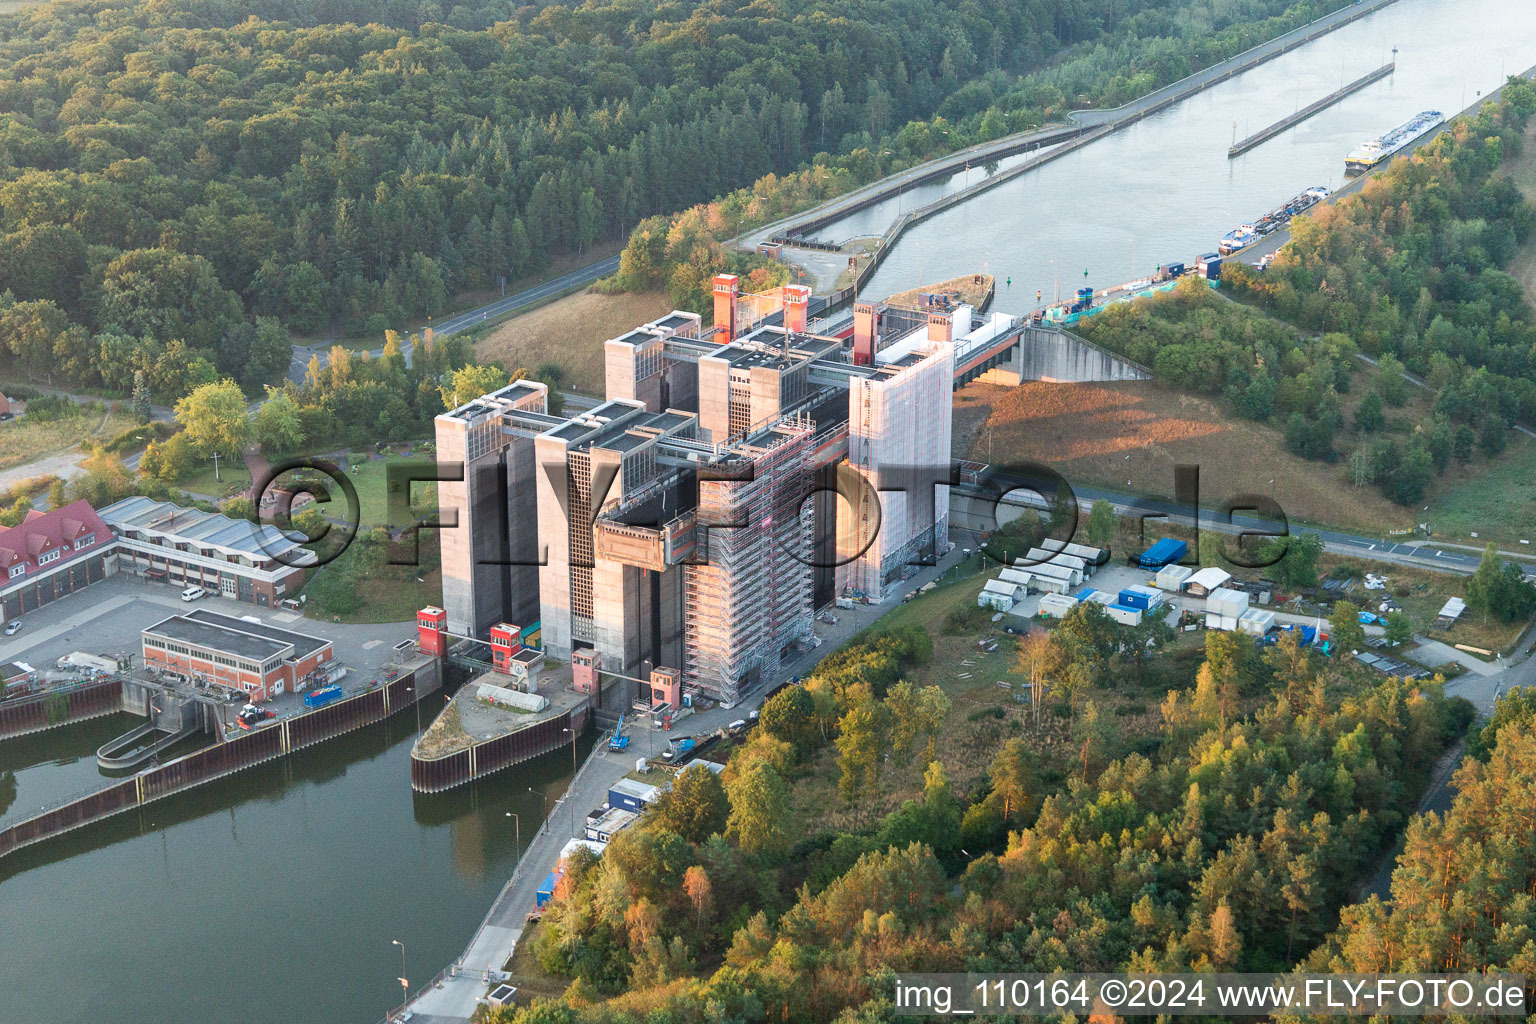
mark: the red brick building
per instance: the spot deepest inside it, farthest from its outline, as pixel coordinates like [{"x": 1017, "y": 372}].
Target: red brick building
[
  {"x": 50, "y": 554},
  {"x": 259, "y": 659}
]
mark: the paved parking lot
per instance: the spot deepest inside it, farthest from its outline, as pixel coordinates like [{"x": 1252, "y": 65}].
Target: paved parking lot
[{"x": 106, "y": 618}]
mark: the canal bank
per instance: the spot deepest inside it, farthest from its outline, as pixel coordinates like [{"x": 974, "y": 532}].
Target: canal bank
[
  {"x": 62, "y": 705},
  {"x": 1164, "y": 189},
  {"x": 1088, "y": 126},
  {"x": 417, "y": 677},
  {"x": 291, "y": 874}
]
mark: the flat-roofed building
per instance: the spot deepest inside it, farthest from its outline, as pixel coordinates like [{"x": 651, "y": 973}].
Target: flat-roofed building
[
  {"x": 259, "y": 659},
  {"x": 490, "y": 549},
  {"x": 233, "y": 558}
]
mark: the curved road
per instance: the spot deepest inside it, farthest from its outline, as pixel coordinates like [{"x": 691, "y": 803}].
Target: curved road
[{"x": 299, "y": 362}]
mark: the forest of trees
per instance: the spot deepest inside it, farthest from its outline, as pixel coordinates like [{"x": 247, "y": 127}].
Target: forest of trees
[
  {"x": 1408, "y": 271},
  {"x": 1411, "y": 269},
  {"x": 1461, "y": 893},
  {"x": 1228, "y": 839},
  {"x": 173, "y": 170}
]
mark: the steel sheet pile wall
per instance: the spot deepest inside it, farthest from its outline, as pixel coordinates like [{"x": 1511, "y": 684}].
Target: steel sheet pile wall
[
  {"x": 241, "y": 752},
  {"x": 438, "y": 774},
  {"x": 343, "y": 716},
  {"x": 72, "y": 815},
  {"x": 30, "y": 714}
]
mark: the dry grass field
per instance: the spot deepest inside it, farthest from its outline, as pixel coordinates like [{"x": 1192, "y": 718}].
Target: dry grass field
[
  {"x": 23, "y": 440},
  {"x": 571, "y": 332},
  {"x": 1129, "y": 436}
]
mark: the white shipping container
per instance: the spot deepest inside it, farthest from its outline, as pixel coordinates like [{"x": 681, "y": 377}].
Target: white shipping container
[
  {"x": 1042, "y": 556},
  {"x": 1226, "y": 602},
  {"x": 1057, "y": 606},
  {"x": 1060, "y": 572},
  {"x": 1091, "y": 555},
  {"x": 1212, "y": 620},
  {"x": 1256, "y": 621}
]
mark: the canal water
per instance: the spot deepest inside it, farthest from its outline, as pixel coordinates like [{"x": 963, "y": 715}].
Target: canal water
[
  {"x": 1163, "y": 189},
  {"x": 271, "y": 895},
  {"x": 45, "y": 768},
  {"x": 274, "y": 895}
]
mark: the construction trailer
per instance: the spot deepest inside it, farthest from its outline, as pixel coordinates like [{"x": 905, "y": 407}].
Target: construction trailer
[
  {"x": 1124, "y": 615},
  {"x": 1041, "y": 556},
  {"x": 998, "y": 595},
  {"x": 629, "y": 795},
  {"x": 1073, "y": 577},
  {"x": 1092, "y": 556},
  {"x": 1144, "y": 598},
  {"x": 1099, "y": 597},
  {"x": 1020, "y": 576},
  {"x": 1050, "y": 584},
  {"x": 1216, "y": 620},
  {"x": 608, "y": 824}
]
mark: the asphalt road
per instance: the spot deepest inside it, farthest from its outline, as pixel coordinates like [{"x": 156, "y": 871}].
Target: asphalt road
[
  {"x": 1424, "y": 553},
  {"x": 464, "y": 321}
]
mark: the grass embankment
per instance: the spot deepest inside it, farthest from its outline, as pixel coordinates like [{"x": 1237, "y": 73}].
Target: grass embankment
[
  {"x": 570, "y": 332},
  {"x": 972, "y": 289},
  {"x": 1128, "y": 436},
  {"x": 444, "y": 736},
  {"x": 464, "y": 302}
]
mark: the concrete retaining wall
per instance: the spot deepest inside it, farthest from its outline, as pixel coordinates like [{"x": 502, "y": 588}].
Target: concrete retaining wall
[{"x": 1055, "y": 355}]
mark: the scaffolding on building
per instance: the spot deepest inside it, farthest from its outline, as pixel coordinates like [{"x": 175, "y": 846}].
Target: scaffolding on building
[{"x": 748, "y": 596}]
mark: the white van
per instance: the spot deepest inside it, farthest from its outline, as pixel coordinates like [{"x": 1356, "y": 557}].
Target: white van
[{"x": 193, "y": 593}]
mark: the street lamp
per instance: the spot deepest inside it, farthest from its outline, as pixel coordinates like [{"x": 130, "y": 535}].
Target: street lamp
[
  {"x": 405, "y": 987},
  {"x": 412, "y": 691},
  {"x": 517, "y": 823},
  {"x": 545, "y": 797}
]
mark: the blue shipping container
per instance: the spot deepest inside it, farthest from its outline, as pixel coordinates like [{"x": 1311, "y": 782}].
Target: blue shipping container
[
  {"x": 323, "y": 696},
  {"x": 546, "y": 890},
  {"x": 625, "y": 800},
  {"x": 1164, "y": 552}
]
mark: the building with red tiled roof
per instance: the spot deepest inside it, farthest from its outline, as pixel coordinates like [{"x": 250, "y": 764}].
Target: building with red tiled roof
[{"x": 50, "y": 554}]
